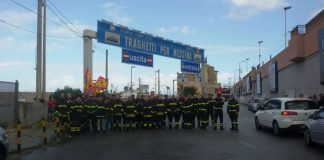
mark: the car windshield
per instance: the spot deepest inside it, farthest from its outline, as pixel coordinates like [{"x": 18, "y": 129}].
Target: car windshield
[{"x": 300, "y": 105}]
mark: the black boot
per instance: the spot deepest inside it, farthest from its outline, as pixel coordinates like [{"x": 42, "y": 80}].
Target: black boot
[
  {"x": 222, "y": 128},
  {"x": 215, "y": 128}
]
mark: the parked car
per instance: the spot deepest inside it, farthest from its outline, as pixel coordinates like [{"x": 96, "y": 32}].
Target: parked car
[
  {"x": 4, "y": 144},
  {"x": 314, "y": 129},
  {"x": 255, "y": 104},
  {"x": 285, "y": 113}
]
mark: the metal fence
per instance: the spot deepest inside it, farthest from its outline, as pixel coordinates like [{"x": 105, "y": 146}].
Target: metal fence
[{"x": 8, "y": 103}]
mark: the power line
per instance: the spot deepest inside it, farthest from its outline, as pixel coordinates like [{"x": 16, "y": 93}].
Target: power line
[
  {"x": 34, "y": 12},
  {"x": 27, "y": 30},
  {"x": 76, "y": 33},
  {"x": 63, "y": 16}
]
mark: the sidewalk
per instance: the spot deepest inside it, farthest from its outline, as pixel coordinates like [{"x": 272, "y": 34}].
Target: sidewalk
[{"x": 30, "y": 137}]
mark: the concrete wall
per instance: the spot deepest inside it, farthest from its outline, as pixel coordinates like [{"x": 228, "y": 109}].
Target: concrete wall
[{"x": 30, "y": 113}]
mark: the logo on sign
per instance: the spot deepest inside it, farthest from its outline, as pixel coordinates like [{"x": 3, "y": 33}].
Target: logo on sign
[{"x": 133, "y": 57}]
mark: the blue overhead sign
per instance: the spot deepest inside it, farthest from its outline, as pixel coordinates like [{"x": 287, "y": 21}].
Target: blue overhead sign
[
  {"x": 138, "y": 58},
  {"x": 124, "y": 37},
  {"x": 190, "y": 67}
]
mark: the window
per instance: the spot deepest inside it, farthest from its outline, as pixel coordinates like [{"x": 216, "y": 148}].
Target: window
[
  {"x": 320, "y": 115},
  {"x": 267, "y": 106},
  {"x": 300, "y": 105},
  {"x": 276, "y": 104}
]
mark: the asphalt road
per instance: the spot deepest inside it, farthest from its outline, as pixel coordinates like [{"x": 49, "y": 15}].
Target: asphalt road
[{"x": 248, "y": 144}]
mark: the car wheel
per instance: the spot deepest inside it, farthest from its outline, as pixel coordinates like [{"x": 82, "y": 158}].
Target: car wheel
[
  {"x": 275, "y": 128},
  {"x": 307, "y": 137},
  {"x": 257, "y": 123}
]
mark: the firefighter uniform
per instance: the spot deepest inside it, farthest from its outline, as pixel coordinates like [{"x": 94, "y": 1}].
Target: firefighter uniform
[
  {"x": 147, "y": 114},
  {"x": 160, "y": 112},
  {"x": 195, "y": 105},
  {"x": 187, "y": 114},
  {"x": 172, "y": 105},
  {"x": 233, "y": 109},
  {"x": 101, "y": 116},
  {"x": 118, "y": 111},
  {"x": 91, "y": 115},
  {"x": 218, "y": 112},
  {"x": 76, "y": 116},
  {"x": 108, "y": 110},
  {"x": 139, "y": 117},
  {"x": 59, "y": 112},
  {"x": 203, "y": 113},
  {"x": 130, "y": 113}
]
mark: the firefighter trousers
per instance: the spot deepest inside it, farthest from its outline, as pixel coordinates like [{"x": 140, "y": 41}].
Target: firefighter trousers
[
  {"x": 218, "y": 114},
  {"x": 234, "y": 117}
]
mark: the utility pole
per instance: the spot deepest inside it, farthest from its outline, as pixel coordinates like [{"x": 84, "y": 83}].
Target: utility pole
[
  {"x": 131, "y": 85},
  {"x": 106, "y": 68},
  {"x": 260, "y": 53},
  {"x": 44, "y": 53},
  {"x": 39, "y": 51},
  {"x": 159, "y": 92},
  {"x": 139, "y": 84}
]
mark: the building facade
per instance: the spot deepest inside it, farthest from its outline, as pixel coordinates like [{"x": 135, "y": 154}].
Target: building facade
[{"x": 296, "y": 70}]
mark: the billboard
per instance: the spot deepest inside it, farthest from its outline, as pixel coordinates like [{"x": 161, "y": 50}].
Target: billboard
[
  {"x": 273, "y": 78},
  {"x": 135, "y": 40},
  {"x": 137, "y": 58},
  {"x": 259, "y": 84},
  {"x": 321, "y": 52},
  {"x": 248, "y": 84},
  {"x": 190, "y": 67}
]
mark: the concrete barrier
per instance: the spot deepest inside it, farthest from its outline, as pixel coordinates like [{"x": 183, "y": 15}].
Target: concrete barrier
[{"x": 30, "y": 113}]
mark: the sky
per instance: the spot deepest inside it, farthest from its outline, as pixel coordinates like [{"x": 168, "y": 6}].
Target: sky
[{"x": 228, "y": 30}]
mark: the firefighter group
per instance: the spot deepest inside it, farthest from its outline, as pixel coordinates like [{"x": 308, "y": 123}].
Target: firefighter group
[{"x": 99, "y": 114}]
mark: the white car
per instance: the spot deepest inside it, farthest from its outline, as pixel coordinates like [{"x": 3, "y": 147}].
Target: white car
[
  {"x": 314, "y": 129},
  {"x": 285, "y": 113}
]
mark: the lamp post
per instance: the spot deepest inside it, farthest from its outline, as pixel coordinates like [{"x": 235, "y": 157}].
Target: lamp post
[
  {"x": 173, "y": 86},
  {"x": 240, "y": 69},
  {"x": 247, "y": 62},
  {"x": 260, "y": 53},
  {"x": 286, "y": 8},
  {"x": 132, "y": 78}
]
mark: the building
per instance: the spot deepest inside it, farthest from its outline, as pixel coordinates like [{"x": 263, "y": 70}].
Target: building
[
  {"x": 296, "y": 70},
  {"x": 205, "y": 82}
]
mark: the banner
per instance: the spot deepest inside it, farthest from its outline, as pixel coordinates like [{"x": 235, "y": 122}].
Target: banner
[
  {"x": 259, "y": 83},
  {"x": 321, "y": 52},
  {"x": 88, "y": 82},
  {"x": 135, "y": 40},
  {"x": 273, "y": 77}
]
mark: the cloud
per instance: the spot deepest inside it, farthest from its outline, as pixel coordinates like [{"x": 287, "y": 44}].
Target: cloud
[
  {"x": 63, "y": 31},
  {"x": 214, "y": 49},
  {"x": 6, "y": 43},
  {"x": 223, "y": 78},
  {"x": 175, "y": 29},
  {"x": 20, "y": 18},
  {"x": 7, "y": 65},
  {"x": 246, "y": 9},
  {"x": 116, "y": 13}
]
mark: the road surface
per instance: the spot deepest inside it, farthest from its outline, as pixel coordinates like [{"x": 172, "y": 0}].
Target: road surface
[{"x": 247, "y": 144}]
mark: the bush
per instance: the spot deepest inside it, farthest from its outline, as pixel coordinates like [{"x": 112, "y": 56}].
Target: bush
[{"x": 66, "y": 90}]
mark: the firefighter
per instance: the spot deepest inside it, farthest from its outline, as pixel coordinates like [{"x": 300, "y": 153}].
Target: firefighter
[
  {"x": 68, "y": 111},
  {"x": 203, "y": 112},
  {"x": 101, "y": 115},
  {"x": 195, "y": 105},
  {"x": 76, "y": 116},
  {"x": 218, "y": 111},
  {"x": 130, "y": 113},
  {"x": 59, "y": 112},
  {"x": 147, "y": 113},
  {"x": 139, "y": 117},
  {"x": 118, "y": 110},
  {"x": 108, "y": 109},
  {"x": 91, "y": 114},
  {"x": 172, "y": 105},
  {"x": 177, "y": 113},
  {"x": 160, "y": 112},
  {"x": 187, "y": 113},
  {"x": 233, "y": 109}
]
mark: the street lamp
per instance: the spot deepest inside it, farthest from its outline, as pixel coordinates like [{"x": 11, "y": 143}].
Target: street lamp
[
  {"x": 132, "y": 77},
  {"x": 260, "y": 52},
  {"x": 286, "y": 8},
  {"x": 240, "y": 69},
  {"x": 247, "y": 62}
]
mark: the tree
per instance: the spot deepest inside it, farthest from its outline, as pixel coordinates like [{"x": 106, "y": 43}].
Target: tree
[
  {"x": 66, "y": 90},
  {"x": 189, "y": 91}
]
